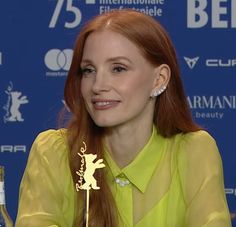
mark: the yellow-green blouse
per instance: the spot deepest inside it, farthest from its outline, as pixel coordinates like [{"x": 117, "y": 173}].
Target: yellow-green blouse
[{"x": 175, "y": 182}]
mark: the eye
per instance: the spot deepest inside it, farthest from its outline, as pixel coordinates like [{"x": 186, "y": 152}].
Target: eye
[
  {"x": 119, "y": 68},
  {"x": 87, "y": 70}
]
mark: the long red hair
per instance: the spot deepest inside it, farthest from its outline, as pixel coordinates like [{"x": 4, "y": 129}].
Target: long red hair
[{"x": 172, "y": 114}]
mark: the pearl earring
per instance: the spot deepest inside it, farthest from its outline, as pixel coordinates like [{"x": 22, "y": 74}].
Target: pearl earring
[{"x": 158, "y": 92}]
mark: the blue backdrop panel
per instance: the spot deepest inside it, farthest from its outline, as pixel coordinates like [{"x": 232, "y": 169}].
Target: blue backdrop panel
[{"x": 36, "y": 42}]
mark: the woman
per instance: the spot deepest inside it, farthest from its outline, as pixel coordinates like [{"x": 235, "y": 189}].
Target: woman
[{"x": 127, "y": 102}]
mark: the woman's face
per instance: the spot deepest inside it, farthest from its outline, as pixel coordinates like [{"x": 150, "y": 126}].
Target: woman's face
[{"x": 117, "y": 80}]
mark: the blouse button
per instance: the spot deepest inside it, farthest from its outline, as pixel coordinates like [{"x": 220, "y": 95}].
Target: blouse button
[{"x": 122, "y": 182}]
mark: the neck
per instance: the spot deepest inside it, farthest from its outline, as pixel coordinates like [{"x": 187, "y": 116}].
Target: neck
[{"x": 126, "y": 142}]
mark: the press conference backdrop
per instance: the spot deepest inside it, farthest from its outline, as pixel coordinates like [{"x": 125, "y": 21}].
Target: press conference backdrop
[{"x": 36, "y": 42}]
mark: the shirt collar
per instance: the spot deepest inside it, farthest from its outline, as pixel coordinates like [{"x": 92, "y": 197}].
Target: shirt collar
[{"x": 141, "y": 169}]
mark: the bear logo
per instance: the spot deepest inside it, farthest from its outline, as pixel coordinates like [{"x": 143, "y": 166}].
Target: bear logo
[
  {"x": 15, "y": 100},
  {"x": 90, "y": 181}
]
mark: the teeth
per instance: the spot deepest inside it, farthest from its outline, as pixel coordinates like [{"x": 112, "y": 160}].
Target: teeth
[{"x": 102, "y": 103}]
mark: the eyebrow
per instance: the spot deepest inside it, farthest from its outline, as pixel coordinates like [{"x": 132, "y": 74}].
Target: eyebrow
[
  {"x": 119, "y": 58},
  {"x": 109, "y": 59}
]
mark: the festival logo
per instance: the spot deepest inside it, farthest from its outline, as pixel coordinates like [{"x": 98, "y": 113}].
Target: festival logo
[
  {"x": 90, "y": 2},
  {"x": 69, "y": 9},
  {"x": 152, "y": 8},
  {"x": 201, "y": 13},
  {"x": 58, "y": 62},
  {"x": 12, "y": 107}
]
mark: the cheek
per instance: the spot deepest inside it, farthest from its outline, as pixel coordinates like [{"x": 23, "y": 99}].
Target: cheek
[
  {"x": 85, "y": 88},
  {"x": 139, "y": 86}
]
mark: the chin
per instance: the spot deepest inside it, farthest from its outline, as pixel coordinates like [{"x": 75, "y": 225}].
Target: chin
[{"x": 104, "y": 123}]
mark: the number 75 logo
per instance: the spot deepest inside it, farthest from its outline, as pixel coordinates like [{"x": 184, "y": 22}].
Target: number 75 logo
[{"x": 69, "y": 8}]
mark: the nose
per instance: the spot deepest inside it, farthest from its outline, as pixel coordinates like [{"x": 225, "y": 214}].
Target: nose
[{"x": 101, "y": 83}]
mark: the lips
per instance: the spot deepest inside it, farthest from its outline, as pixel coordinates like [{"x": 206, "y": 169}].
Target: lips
[{"x": 104, "y": 104}]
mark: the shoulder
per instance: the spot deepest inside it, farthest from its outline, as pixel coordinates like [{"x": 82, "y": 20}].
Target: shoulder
[
  {"x": 198, "y": 152},
  {"x": 198, "y": 143},
  {"x": 52, "y": 136},
  {"x": 200, "y": 136},
  {"x": 192, "y": 143},
  {"x": 50, "y": 144}
]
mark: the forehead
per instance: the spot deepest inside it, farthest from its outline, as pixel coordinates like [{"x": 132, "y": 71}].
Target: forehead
[{"x": 109, "y": 43}]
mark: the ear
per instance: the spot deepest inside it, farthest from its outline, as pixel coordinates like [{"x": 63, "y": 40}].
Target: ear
[{"x": 161, "y": 79}]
